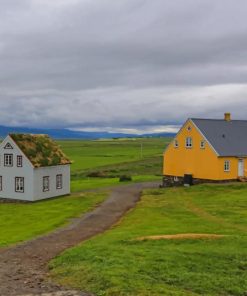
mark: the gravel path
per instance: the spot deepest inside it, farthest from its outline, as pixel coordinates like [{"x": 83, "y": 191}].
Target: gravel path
[{"x": 23, "y": 268}]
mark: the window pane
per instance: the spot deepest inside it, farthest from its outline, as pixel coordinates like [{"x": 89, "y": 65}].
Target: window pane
[
  {"x": 19, "y": 160},
  {"x": 59, "y": 182},
  {"x": 227, "y": 166},
  {"x": 188, "y": 142},
  {"x": 8, "y": 159},
  {"x": 19, "y": 184},
  {"x": 45, "y": 183}
]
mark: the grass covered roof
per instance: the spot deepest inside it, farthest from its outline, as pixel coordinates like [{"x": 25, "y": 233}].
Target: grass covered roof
[{"x": 41, "y": 150}]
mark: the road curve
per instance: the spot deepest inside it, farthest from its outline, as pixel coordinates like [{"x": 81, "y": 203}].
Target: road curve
[{"x": 23, "y": 268}]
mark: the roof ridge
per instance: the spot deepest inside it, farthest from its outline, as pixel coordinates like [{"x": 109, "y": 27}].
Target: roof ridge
[{"x": 217, "y": 119}]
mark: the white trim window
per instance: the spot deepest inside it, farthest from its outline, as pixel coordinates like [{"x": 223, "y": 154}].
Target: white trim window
[
  {"x": 189, "y": 142},
  {"x": 46, "y": 184},
  {"x": 175, "y": 143},
  {"x": 19, "y": 184},
  {"x": 59, "y": 181},
  {"x": 8, "y": 160},
  {"x": 227, "y": 166},
  {"x": 8, "y": 146},
  {"x": 19, "y": 160},
  {"x": 202, "y": 144},
  {"x": 1, "y": 183}
]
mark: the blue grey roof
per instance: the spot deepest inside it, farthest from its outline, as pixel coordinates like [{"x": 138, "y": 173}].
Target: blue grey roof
[{"x": 228, "y": 138}]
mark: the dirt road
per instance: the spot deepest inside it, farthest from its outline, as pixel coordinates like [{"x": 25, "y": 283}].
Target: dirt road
[{"x": 23, "y": 268}]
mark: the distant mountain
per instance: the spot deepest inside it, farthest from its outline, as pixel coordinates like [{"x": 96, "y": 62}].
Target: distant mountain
[
  {"x": 68, "y": 134},
  {"x": 159, "y": 135}
]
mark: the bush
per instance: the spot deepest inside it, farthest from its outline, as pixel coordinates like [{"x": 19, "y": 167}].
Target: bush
[
  {"x": 125, "y": 178},
  {"x": 97, "y": 174}
]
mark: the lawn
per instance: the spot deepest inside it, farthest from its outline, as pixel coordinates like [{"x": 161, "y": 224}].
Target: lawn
[
  {"x": 19, "y": 222},
  {"x": 23, "y": 221},
  {"x": 115, "y": 156},
  {"x": 118, "y": 263},
  {"x": 92, "y": 183}
]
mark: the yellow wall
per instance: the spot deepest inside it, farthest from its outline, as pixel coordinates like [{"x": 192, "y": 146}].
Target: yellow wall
[{"x": 201, "y": 163}]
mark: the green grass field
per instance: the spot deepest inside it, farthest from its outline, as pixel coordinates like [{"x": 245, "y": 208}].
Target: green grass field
[
  {"x": 113, "y": 158},
  {"x": 116, "y": 156},
  {"x": 23, "y": 221},
  {"x": 20, "y": 222},
  {"x": 116, "y": 263}
]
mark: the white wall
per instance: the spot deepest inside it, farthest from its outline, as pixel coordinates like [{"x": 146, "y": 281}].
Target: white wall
[
  {"x": 51, "y": 171},
  {"x": 33, "y": 177},
  {"x": 9, "y": 173}
]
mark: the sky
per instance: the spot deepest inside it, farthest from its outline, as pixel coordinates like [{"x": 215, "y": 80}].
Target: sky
[{"x": 129, "y": 65}]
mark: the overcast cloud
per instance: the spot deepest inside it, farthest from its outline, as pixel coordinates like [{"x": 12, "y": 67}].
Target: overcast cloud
[{"x": 129, "y": 65}]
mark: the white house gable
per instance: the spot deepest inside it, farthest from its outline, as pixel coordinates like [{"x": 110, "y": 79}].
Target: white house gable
[
  {"x": 16, "y": 172},
  {"x": 12, "y": 156},
  {"x": 27, "y": 174}
]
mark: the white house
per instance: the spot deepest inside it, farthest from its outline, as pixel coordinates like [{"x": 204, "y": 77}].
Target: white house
[{"x": 32, "y": 167}]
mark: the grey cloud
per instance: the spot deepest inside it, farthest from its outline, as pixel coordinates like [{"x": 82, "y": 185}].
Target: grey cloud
[{"x": 81, "y": 63}]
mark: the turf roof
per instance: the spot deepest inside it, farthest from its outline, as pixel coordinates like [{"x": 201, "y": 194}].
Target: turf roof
[{"x": 41, "y": 150}]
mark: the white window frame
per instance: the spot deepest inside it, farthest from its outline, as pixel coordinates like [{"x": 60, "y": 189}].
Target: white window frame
[
  {"x": 59, "y": 181},
  {"x": 189, "y": 142},
  {"x": 8, "y": 160},
  {"x": 46, "y": 183},
  {"x": 202, "y": 144},
  {"x": 227, "y": 166},
  {"x": 176, "y": 143},
  {"x": 19, "y": 161},
  {"x": 1, "y": 183},
  {"x": 19, "y": 184}
]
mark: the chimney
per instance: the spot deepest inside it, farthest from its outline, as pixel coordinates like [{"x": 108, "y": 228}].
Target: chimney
[{"x": 227, "y": 116}]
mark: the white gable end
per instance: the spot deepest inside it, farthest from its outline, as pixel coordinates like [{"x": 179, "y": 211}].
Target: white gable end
[
  {"x": 20, "y": 180},
  {"x": 16, "y": 172},
  {"x": 15, "y": 150}
]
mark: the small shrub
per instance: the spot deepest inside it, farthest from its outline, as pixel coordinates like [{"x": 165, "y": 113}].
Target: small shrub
[
  {"x": 97, "y": 174},
  {"x": 125, "y": 178}
]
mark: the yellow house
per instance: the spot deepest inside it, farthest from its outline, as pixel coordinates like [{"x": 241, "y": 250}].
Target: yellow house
[{"x": 207, "y": 150}]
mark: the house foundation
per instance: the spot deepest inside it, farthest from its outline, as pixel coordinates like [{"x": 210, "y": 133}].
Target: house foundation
[{"x": 174, "y": 181}]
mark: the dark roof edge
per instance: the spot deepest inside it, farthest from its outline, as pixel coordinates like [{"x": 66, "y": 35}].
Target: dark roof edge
[
  {"x": 212, "y": 119},
  {"x": 236, "y": 156}
]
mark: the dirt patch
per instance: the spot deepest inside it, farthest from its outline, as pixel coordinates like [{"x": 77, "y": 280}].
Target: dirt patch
[
  {"x": 182, "y": 236},
  {"x": 61, "y": 293},
  {"x": 23, "y": 268}
]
